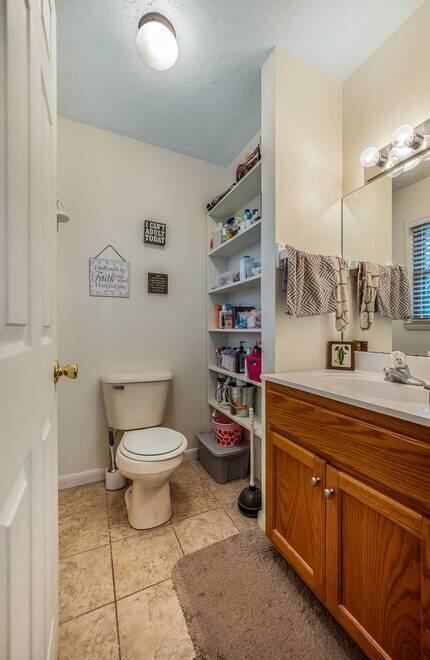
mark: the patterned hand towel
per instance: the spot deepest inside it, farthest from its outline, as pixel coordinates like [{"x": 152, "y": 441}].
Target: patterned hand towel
[
  {"x": 342, "y": 306},
  {"x": 367, "y": 287},
  {"x": 393, "y": 298},
  {"x": 314, "y": 285}
]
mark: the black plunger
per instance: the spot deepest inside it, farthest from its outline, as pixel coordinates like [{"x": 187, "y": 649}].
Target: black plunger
[{"x": 249, "y": 501}]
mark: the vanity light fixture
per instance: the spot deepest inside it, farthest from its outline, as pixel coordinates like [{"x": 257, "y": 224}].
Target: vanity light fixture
[
  {"x": 371, "y": 157},
  {"x": 397, "y": 155},
  {"x": 156, "y": 41},
  {"x": 405, "y": 136}
]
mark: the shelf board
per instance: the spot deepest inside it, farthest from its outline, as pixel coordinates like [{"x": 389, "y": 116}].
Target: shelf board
[
  {"x": 246, "y": 331},
  {"x": 249, "y": 283},
  {"x": 243, "y": 421},
  {"x": 239, "y": 242},
  {"x": 233, "y": 374},
  {"x": 243, "y": 192}
]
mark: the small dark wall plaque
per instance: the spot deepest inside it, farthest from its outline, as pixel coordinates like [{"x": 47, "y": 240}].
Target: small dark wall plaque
[
  {"x": 158, "y": 283},
  {"x": 155, "y": 233}
]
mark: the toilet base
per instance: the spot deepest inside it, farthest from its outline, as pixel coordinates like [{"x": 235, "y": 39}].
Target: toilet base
[{"x": 148, "y": 506}]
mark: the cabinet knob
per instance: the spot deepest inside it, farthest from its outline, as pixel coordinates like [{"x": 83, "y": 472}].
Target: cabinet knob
[
  {"x": 329, "y": 493},
  {"x": 315, "y": 481}
]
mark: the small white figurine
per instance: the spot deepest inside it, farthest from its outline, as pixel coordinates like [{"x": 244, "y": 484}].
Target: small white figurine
[{"x": 398, "y": 359}]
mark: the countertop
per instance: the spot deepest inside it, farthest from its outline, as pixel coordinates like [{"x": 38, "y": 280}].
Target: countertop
[{"x": 365, "y": 389}]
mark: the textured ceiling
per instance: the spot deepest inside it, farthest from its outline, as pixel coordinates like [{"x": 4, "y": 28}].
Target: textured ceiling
[{"x": 207, "y": 105}]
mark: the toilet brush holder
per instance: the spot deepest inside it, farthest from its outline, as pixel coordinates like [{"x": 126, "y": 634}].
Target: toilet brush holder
[{"x": 114, "y": 479}]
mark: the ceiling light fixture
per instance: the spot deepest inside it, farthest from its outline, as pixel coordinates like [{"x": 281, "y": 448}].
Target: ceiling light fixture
[
  {"x": 371, "y": 157},
  {"x": 156, "y": 41}
]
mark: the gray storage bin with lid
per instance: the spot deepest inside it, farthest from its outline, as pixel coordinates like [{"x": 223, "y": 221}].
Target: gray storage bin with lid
[{"x": 223, "y": 463}]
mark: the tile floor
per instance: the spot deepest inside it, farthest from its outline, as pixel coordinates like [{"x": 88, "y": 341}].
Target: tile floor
[{"x": 117, "y": 599}]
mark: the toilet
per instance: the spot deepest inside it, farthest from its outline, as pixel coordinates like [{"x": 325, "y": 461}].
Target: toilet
[{"x": 148, "y": 453}]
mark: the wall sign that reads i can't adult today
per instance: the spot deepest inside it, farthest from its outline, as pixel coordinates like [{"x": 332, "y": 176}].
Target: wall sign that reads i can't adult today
[{"x": 155, "y": 233}]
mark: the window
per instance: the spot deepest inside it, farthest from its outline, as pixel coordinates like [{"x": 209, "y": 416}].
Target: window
[{"x": 421, "y": 270}]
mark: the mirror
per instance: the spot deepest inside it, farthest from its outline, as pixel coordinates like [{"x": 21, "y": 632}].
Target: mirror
[{"x": 387, "y": 222}]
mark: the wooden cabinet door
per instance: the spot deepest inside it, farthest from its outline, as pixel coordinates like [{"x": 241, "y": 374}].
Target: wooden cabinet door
[
  {"x": 377, "y": 569},
  {"x": 296, "y": 508}
]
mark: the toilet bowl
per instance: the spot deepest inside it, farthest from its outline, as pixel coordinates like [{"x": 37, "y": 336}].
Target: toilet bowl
[
  {"x": 149, "y": 457},
  {"x": 148, "y": 453}
]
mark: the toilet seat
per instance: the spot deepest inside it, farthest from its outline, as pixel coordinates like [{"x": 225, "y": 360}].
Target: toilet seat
[{"x": 152, "y": 444}]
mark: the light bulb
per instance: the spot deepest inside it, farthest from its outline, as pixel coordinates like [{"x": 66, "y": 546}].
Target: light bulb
[
  {"x": 397, "y": 155},
  {"x": 411, "y": 165},
  {"x": 426, "y": 145},
  {"x": 156, "y": 41},
  {"x": 405, "y": 136},
  {"x": 397, "y": 172},
  {"x": 371, "y": 157}
]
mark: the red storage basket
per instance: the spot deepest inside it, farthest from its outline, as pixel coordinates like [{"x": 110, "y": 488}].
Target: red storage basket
[{"x": 227, "y": 432}]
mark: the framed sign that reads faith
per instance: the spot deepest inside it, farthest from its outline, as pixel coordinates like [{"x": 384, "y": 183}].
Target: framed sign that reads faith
[
  {"x": 109, "y": 277},
  {"x": 155, "y": 233}
]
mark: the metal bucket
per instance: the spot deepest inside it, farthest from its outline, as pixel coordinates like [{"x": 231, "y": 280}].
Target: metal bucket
[{"x": 240, "y": 399}]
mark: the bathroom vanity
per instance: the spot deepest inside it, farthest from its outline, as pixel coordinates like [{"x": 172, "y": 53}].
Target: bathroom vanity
[{"x": 348, "y": 501}]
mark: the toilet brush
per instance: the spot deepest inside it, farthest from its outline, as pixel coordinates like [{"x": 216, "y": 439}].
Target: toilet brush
[
  {"x": 249, "y": 501},
  {"x": 114, "y": 478}
]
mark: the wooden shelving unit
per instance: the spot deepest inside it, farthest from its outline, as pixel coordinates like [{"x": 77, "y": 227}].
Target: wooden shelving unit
[
  {"x": 247, "y": 189},
  {"x": 249, "y": 283},
  {"x": 243, "y": 421},
  {"x": 245, "y": 194},
  {"x": 233, "y": 374},
  {"x": 253, "y": 331},
  {"x": 243, "y": 240}
]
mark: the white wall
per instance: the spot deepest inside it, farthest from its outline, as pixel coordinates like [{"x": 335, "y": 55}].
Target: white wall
[
  {"x": 367, "y": 236},
  {"x": 110, "y": 184},
  {"x": 389, "y": 89},
  {"x": 410, "y": 205},
  {"x": 386, "y": 91},
  {"x": 302, "y": 186}
]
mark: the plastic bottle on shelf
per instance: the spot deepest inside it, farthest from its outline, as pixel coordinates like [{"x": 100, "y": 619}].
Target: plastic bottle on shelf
[
  {"x": 240, "y": 359},
  {"x": 217, "y": 311},
  {"x": 228, "y": 316}
]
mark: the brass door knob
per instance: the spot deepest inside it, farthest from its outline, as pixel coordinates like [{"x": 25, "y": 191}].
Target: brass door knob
[{"x": 70, "y": 370}]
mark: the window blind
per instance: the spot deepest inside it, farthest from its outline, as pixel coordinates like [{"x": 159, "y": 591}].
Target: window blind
[{"x": 421, "y": 270}]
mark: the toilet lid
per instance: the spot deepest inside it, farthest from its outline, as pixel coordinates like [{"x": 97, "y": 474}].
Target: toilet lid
[{"x": 155, "y": 441}]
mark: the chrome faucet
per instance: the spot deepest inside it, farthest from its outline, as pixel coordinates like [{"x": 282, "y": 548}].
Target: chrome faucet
[{"x": 400, "y": 372}]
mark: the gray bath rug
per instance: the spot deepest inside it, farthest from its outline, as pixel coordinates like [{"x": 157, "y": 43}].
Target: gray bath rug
[{"x": 242, "y": 601}]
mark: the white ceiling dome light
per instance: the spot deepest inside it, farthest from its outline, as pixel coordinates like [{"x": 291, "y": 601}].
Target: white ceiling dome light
[{"x": 156, "y": 41}]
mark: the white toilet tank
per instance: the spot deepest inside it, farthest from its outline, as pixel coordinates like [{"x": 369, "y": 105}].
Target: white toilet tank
[{"x": 135, "y": 400}]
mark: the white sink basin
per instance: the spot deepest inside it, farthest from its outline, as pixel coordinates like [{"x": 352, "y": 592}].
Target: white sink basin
[
  {"x": 370, "y": 385},
  {"x": 365, "y": 389}
]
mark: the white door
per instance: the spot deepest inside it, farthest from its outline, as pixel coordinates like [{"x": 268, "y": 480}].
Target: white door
[{"x": 28, "y": 431}]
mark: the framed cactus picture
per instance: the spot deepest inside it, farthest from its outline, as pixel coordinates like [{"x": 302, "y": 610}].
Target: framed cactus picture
[{"x": 340, "y": 355}]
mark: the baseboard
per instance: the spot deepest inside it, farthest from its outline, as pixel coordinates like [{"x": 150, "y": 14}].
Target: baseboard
[
  {"x": 81, "y": 478},
  {"x": 98, "y": 474},
  {"x": 191, "y": 454}
]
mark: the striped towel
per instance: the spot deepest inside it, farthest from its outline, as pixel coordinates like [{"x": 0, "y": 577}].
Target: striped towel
[
  {"x": 316, "y": 284},
  {"x": 393, "y": 298},
  {"x": 367, "y": 287}
]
